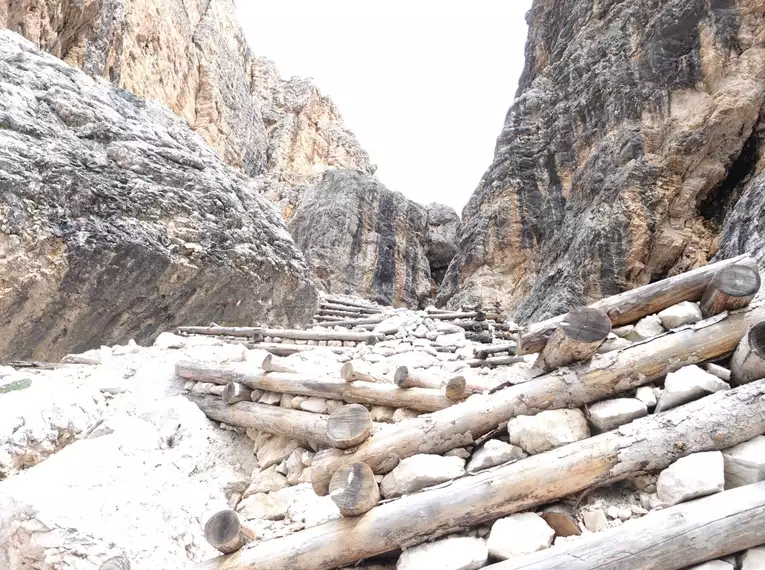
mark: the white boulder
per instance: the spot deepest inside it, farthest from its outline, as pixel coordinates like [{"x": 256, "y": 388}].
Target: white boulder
[
  {"x": 494, "y": 452},
  {"x": 519, "y": 534},
  {"x": 745, "y": 463},
  {"x": 690, "y": 477}
]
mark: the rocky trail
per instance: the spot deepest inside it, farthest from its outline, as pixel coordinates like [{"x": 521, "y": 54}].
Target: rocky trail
[{"x": 389, "y": 438}]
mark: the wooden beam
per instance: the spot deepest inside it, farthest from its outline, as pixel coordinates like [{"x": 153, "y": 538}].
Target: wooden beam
[
  {"x": 285, "y": 349},
  {"x": 295, "y": 424},
  {"x": 670, "y": 539},
  {"x": 485, "y": 351},
  {"x": 225, "y": 533},
  {"x": 349, "y": 373},
  {"x": 604, "y": 376},
  {"x": 234, "y": 393},
  {"x": 478, "y": 315},
  {"x": 577, "y": 337},
  {"x": 748, "y": 361},
  {"x": 361, "y": 305},
  {"x": 332, "y": 388},
  {"x": 354, "y": 490},
  {"x": 349, "y": 308},
  {"x": 649, "y": 444},
  {"x": 636, "y": 303},
  {"x": 294, "y": 334},
  {"x": 731, "y": 288},
  {"x": 350, "y": 323},
  {"x": 348, "y": 426}
]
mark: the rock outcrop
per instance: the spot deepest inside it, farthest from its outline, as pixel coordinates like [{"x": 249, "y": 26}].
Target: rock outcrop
[
  {"x": 359, "y": 237},
  {"x": 444, "y": 228},
  {"x": 634, "y": 139},
  {"x": 117, "y": 219},
  {"x": 191, "y": 56}
]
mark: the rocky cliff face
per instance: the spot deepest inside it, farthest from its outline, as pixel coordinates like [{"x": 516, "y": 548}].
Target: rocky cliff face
[
  {"x": 191, "y": 56},
  {"x": 359, "y": 237},
  {"x": 634, "y": 133},
  {"x": 117, "y": 220},
  {"x": 444, "y": 228}
]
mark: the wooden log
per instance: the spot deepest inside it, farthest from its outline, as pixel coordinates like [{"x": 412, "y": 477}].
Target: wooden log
[
  {"x": 354, "y": 489},
  {"x": 560, "y": 517},
  {"x": 636, "y": 303},
  {"x": 353, "y": 322},
  {"x": 348, "y": 426},
  {"x": 225, "y": 532},
  {"x": 337, "y": 301},
  {"x": 577, "y": 338},
  {"x": 348, "y": 308},
  {"x": 349, "y": 373},
  {"x": 293, "y": 334},
  {"x": 285, "y": 349},
  {"x": 748, "y": 361},
  {"x": 235, "y": 392},
  {"x": 273, "y": 363},
  {"x": 472, "y": 326},
  {"x": 720, "y": 371},
  {"x": 484, "y": 337},
  {"x": 731, "y": 288},
  {"x": 493, "y": 361},
  {"x": 478, "y": 315},
  {"x": 379, "y": 394},
  {"x": 295, "y": 424},
  {"x": 677, "y": 537},
  {"x": 649, "y": 444},
  {"x": 604, "y": 376},
  {"x": 486, "y": 351}
]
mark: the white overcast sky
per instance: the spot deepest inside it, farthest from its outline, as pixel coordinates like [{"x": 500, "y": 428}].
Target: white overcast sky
[{"x": 423, "y": 84}]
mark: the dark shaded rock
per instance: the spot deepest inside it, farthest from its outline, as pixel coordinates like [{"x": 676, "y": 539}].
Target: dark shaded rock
[
  {"x": 443, "y": 233},
  {"x": 361, "y": 238},
  {"x": 116, "y": 221},
  {"x": 620, "y": 156}
]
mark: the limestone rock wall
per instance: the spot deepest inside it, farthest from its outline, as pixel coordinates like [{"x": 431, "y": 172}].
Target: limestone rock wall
[
  {"x": 116, "y": 220},
  {"x": 633, "y": 131},
  {"x": 360, "y": 237}
]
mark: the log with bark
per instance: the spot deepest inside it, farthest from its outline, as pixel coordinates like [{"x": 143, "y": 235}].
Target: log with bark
[
  {"x": 577, "y": 337},
  {"x": 636, "y": 303},
  {"x": 296, "y": 424},
  {"x": 235, "y": 392},
  {"x": 604, "y": 376},
  {"x": 748, "y": 361},
  {"x": 286, "y": 349},
  {"x": 670, "y": 539},
  {"x": 273, "y": 363},
  {"x": 649, "y": 444},
  {"x": 225, "y": 532},
  {"x": 293, "y": 334},
  {"x": 731, "y": 288},
  {"x": 354, "y": 489},
  {"x": 484, "y": 352},
  {"x": 299, "y": 384},
  {"x": 350, "y": 323}
]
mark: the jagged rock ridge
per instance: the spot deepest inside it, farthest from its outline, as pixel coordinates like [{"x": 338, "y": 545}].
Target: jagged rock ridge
[
  {"x": 634, "y": 132},
  {"x": 117, "y": 220}
]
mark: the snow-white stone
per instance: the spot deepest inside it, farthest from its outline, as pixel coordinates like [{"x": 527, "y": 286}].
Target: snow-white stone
[
  {"x": 681, "y": 314},
  {"x": 645, "y": 328},
  {"x": 745, "y": 463},
  {"x": 609, "y": 414},
  {"x": 420, "y": 471},
  {"x": 382, "y": 413},
  {"x": 690, "y": 477},
  {"x": 494, "y": 452},
  {"x": 646, "y": 395},
  {"x": 613, "y": 344},
  {"x": 452, "y": 339},
  {"x": 453, "y": 553},
  {"x": 547, "y": 430},
  {"x": 403, "y": 414},
  {"x": 519, "y": 534},
  {"x": 753, "y": 559},
  {"x": 315, "y": 405},
  {"x": 688, "y": 384}
]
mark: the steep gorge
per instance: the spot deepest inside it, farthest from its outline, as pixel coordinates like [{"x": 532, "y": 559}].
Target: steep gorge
[{"x": 634, "y": 130}]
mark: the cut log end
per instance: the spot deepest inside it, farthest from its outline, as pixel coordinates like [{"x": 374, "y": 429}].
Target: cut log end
[
  {"x": 455, "y": 388},
  {"x": 273, "y": 363},
  {"x": 349, "y": 426},
  {"x": 586, "y": 325},
  {"x": 401, "y": 376},
  {"x": 354, "y": 490},
  {"x": 234, "y": 392},
  {"x": 577, "y": 338},
  {"x": 346, "y": 372},
  {"x": 748, "y": 361},
  {"x": 731, "y": 288},
  {"x": 225, "y": 533}
]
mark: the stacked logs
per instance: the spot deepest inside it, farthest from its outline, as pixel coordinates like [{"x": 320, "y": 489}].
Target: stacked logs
[
  {"x": 336, "y": 311},
  {"x": 578, "y": 363}
]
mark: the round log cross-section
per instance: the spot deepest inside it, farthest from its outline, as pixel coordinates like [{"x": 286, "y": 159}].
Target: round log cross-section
[
  {"x": 748, "y": 362},
  {"x": 116, "y": 563},
  {"x": 348, "y": 426},
  {"x": 578, "y": 337},
  {"x": 224, "y": 532},
  {"x": 234, "y": 392},
  {"x": 354, "y": 490},
  {"x": 731, "y": 288}
]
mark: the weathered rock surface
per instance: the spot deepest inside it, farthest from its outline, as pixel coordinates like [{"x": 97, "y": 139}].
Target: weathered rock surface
[
  {"x": 359, "y": 237},
  {"x": 681, "y": 314},
  {"x": 690, "y": 477},
  {"x": 519, "y": 534},
  {"x": 192, "y": 57},
  {"x": 420, "y": 471},
  {"x": 547, "y": 430},
  {"x": 454, "y": 553},
  {"x": 745, "y": 463},
  {"x": 444, "y": 228},
  {"x": 635, "y": 137},
  {"x": 712, "y": 565},
  {"x": 753, "y": 559},
  {"x": 117, "y": 220}
]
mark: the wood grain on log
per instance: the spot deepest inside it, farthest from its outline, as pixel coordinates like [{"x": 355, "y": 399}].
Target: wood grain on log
[
  {"x": 348, "y": 308},
  {"x": 731, "y": 288},
  {"x": 576, "y": 338},
  {"x": 235, "y": 392},
  {"x": 748, "y": 361},
  {"x": 718, "y": 421},
  {"x": 353, "y": 322},
  {"x": 332, "y": 388},
  {"x": 670, "y": 539},
  {"x": 296, "y": 424},
  {"x": 348, "y": 426},
  {"x": 636, "y": 303},
  {"x": 354, "y": 490},
  {"x": 273, "y": 363},
  {"x": 605, "y": 375},
  {"x": 225, "y": 533},
  {"x": 282, "y": 333},
  {"x": 349, "y": 373}
]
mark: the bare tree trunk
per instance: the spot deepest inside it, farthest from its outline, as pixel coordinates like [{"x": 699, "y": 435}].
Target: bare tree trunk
[
  {"x": 354, "y": 489},
  {"x": 748, "y": 362},
  {"x": 273, "y": 363},
  {"x": 673, "y": 538},
  {"x": 718, "y": 421},
  {"x": 578, "y": 337}
]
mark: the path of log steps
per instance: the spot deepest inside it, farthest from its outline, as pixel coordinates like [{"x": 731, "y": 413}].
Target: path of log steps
[{"x": 580, "y": 361}]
